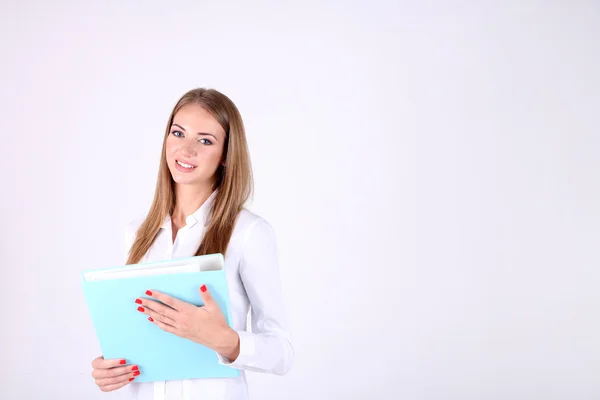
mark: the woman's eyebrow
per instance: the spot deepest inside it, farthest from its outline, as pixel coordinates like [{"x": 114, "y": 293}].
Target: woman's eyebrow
[{"x": 199, "y": 133}]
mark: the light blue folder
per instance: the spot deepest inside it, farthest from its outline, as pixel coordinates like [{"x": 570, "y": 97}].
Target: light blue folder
[{"x": 124, "y": 332}]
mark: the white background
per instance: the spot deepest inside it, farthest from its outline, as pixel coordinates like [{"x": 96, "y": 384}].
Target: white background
[{"x": 431, "y": 170}]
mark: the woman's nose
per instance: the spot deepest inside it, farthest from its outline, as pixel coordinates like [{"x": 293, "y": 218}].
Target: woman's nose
[{"x": 189, "y": 151}]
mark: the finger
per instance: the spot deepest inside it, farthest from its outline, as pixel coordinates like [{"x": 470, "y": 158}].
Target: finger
[
  {"x": 102, "y": 363},
  {"x": 207, "y": 297},
  {"x": 168, "y": 300},
  {"x": 167, "y": 327},
  {"x": 113, "y": 372},
  {"x": 157, "y": 307},
  {"x": 110, "y": 384},
  {"x": 156, "y": 316},
  {"x": 117, "y": 379}
]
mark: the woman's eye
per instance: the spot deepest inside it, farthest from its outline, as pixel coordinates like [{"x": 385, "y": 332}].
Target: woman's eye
[
  {"x": 176, "y": 133},
  {"x": 205, "y": 141}
]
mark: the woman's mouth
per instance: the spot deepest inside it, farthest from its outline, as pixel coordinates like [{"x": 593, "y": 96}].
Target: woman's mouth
[{"x": 184, "y": 167}]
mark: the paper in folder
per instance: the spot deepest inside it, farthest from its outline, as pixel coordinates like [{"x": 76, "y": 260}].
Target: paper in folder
[{"x": 124, "y": 332}]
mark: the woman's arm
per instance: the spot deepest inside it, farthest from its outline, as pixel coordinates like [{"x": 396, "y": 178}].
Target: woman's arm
[{"x": 268, "y": 347}]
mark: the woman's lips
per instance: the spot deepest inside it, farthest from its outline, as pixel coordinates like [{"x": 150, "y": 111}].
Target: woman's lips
[{"x": 182, "y": 168}]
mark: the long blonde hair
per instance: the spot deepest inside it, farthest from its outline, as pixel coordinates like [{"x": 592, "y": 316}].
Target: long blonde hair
[{"x": 234, "y": 181}]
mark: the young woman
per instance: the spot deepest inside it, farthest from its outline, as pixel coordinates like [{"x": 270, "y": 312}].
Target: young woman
[{"x": 204, "y": 181}]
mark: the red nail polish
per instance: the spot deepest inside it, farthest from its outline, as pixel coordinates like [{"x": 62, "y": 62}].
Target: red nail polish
[
  {"x": 122, "y": 362},
  {"x": 130, "y": 379},
  {"x": 135, "y": 368},
  {"x": 136, "y": 373},
  {"x": 203, "y": 288},
  {"x": 149, "y": 293},
  {"x": 150, "y": 319},
  {"x": 141, "y": 309},
  {"x": 138, "y": 301}
]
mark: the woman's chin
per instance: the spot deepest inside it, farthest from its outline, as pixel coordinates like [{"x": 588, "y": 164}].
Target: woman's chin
[
  {"x": 183, "y": 179},
  {"x": 186, "y": 180}
]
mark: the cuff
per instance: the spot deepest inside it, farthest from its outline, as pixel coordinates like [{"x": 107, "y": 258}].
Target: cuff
[{"x": 247, "y": 352}]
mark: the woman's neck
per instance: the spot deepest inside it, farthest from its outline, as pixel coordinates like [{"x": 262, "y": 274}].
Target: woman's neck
[{"x": 188, "y": 200}]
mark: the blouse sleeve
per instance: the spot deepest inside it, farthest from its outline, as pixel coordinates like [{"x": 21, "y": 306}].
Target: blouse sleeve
[{"x": 268, "y": 347}]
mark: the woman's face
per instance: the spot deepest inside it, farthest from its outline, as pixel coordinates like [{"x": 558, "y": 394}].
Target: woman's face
[{"x": 194, "y": 146}]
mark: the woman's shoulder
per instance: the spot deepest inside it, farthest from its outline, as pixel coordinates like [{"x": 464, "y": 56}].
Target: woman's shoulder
[
  {"x": 248, "y": 220},
  {"x": 250, "y": 224}
]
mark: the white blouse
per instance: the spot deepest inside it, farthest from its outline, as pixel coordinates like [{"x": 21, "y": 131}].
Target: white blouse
[{"x": 254, "y": 284}]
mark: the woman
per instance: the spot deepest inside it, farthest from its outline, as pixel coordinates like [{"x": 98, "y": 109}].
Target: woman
[{"x": 204, "y": 180}]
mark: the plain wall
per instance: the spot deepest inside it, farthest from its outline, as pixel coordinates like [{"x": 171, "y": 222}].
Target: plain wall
[{"x": 431, "y": 171}]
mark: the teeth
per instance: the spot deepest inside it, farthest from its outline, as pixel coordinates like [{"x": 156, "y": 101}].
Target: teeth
[{"x": 184, "y": 165}]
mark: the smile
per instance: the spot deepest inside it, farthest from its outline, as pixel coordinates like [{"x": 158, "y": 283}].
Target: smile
[{"x": 183, "y": 166}]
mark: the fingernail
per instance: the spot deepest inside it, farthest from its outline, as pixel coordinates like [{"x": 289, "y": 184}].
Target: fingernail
[
  {"x": 130, "y": 379},
  {"x": 203, "y": 288},
  {"x": 122, "y": 362},
  {"x": 135, "y": 368},
  {"x": 150, "y": 319},
  {"x": 149, "y": 293},
  {"x": 138, "y": 301},
  {"x": 141, "y": 309},
  {"x": 136, "y": 373}
]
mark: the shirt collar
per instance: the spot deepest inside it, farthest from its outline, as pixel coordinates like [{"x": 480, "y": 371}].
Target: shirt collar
[{"x": 200, "y": 215}]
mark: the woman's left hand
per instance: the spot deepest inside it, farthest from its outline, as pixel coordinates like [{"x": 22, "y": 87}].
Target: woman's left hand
[{"x": 205, "y": 325}]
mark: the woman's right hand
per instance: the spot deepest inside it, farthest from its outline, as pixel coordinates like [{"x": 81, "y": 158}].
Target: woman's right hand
[{"x": 113, "y": 374}]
